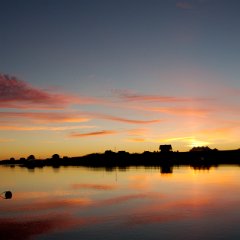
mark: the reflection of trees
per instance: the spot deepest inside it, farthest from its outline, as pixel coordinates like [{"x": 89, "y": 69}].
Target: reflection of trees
[
  {"x": 166, "y": 169},
  {"x": 202, "y": 167}
]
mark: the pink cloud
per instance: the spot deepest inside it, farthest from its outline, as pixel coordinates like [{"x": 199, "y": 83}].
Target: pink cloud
[
  {"x": 15, "y": 93},
  {"x": 89, "y": 134}
]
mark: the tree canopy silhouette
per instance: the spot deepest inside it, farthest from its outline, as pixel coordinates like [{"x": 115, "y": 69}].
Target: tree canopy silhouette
[
  {"x": 55, "y": 156},
  {"x": 31, "y": 157}
]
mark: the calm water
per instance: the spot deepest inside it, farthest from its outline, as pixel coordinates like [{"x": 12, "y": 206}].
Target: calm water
[{"x": 137, "y": 203}]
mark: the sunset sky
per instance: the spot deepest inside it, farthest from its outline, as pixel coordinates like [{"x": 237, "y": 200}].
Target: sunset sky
[{"x": 84, "y": 76}]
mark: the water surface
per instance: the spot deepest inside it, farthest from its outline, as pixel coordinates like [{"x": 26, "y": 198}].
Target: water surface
[{"x": 135, "y": 203}]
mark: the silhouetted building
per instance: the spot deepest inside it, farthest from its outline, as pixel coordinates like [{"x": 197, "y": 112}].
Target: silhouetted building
[{"x": 165, "y": 148}]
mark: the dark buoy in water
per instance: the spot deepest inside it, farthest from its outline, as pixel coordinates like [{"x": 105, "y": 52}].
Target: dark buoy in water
[{"x": 6, "y": 195}]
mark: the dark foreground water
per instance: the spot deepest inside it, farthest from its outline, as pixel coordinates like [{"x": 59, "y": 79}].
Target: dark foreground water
[{"x": 137, "y": 203}]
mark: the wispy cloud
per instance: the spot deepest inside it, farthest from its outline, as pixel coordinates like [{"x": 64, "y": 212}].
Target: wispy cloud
[
  {"x": 89, "y": 134},
  {"x": 15, "y": 93},
  {"x": 193, "y": 111},
  {"x": 69, "y": 117},
  {"x": 131, "y": 96},
  {"x": 120, "y": 119},
  {"x": 132, "y": 121},
  {"x": 42, "y": 128},
  {"x": 45, "y": 117},
  {"x": 184, "y": 5}
]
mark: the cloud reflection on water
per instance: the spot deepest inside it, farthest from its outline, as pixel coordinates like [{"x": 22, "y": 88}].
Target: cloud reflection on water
[{"x": 138, "y": 200}]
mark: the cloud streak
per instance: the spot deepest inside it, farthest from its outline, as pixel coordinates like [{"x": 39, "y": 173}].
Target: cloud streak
[
  {"x": 45, "y": 117},
  {"x": 120, "y": 119},
  {"x": 40, "y": 128},
  {"x": 136, "y": 97},
  {"x": 181, "y": 111},
  {"x": 91, "y": 134},
  {"x": 69, "y": 117}
]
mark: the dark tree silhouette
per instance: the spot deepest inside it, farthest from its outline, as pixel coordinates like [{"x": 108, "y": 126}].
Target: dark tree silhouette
[
  {"x": 31, "y": 157},
  {"x": 200, "y": 149},
  {"x": 55, "y": 156}
]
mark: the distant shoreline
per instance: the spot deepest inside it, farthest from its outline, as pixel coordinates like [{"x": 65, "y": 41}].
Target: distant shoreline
[{"x": 125, "y": 159}]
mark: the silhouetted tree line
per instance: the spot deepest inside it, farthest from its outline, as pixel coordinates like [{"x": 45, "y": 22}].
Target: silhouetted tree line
[{"x": 166, "y": 158}]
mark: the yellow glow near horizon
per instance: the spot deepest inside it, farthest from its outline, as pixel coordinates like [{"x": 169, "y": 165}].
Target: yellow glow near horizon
[{"x": 197, "y": 143}]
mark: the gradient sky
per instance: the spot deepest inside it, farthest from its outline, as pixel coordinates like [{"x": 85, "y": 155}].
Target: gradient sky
[{"x": 85, "y": 76}]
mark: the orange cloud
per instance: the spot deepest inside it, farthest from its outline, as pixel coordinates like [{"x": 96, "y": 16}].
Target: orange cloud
[
  {"x": 45, "y": 117},
  {"x": 39, "y": 128},
  {"x": 99, "y": 133},
  {"x": 138, "y": 131},
  {"x": 137, "y": 135}
]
